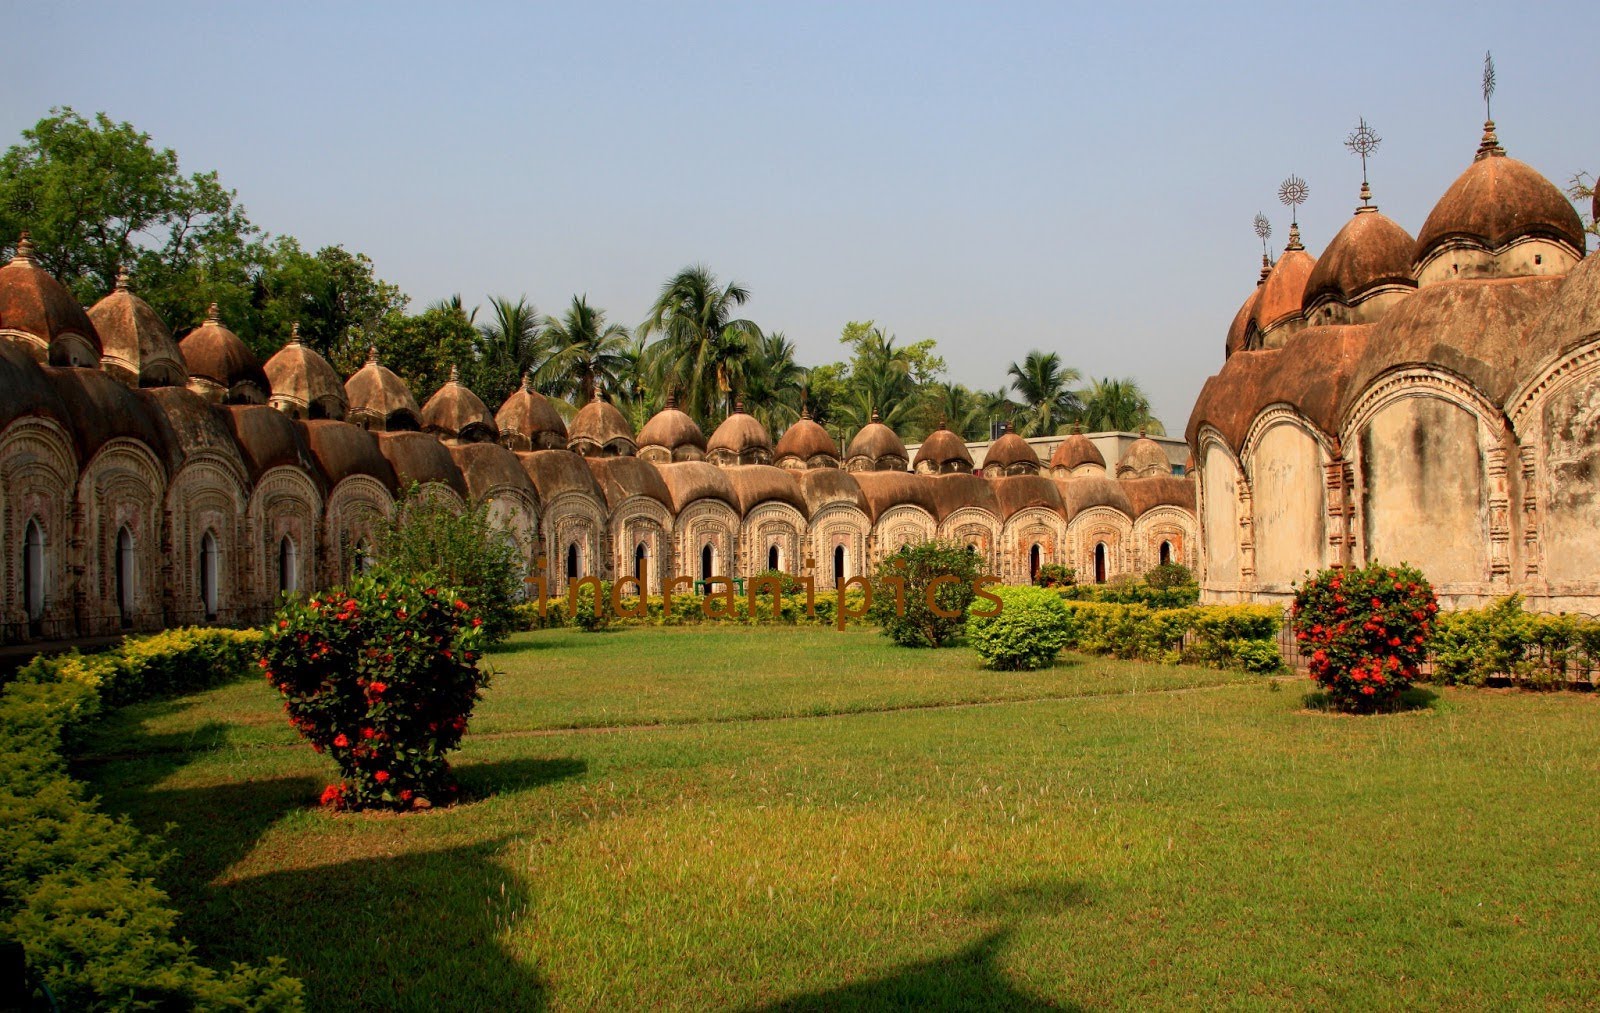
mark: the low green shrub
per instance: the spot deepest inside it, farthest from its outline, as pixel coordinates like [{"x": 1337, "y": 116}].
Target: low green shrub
[
  {"x": 1029, "y": 629},
  {"x": 1055, "y": 575},
  {"x": 77, "y": 885},
  {"x": 688, "y": 609},
  {"x": 1169, "y": 575},
  {"x": 1472, "y": 646},
  {"x": 1133, "y": 593},
  {"x": 923, "y": 592},
  {"x": 1221, "y": 636}
]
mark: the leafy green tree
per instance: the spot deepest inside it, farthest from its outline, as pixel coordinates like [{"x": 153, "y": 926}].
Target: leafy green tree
[
  {"x": 342, "y": 306},
  {"x": 1581, "y": 190},
  {"x": 98, "y": 196},
  {"x": 908, "y": 619},
  {"x": 586, "y": 354},
  {"x": 426, "y": 535},
  {"x": 1118, "y": 406},
  {"x": 1044, "y": 385},
  {"x": 422, "y": 348},
  {"x": 511, "y": 344},
  {"x": 701, "y": 345},
  {"x": 773, "y": 383}
]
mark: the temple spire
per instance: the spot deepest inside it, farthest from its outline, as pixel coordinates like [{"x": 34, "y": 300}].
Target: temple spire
[
  {"x": 213, "y": 315},
  {"x": 1363, "y": 140},
  {"x": 24, "y": 254},
  {"x": 122, "y": 279},
  {"x": 1292, "y": 193},
  {"x": 1489, "y": 147}
]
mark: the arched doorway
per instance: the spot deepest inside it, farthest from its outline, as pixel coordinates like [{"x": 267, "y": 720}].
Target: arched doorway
[
  {"x": 1165, "y": 554},
  {"x": 288, "y": 566},
  {"x": 772, "y": 557},
  {"x": 706, "y": 561},
  {"x": 639, "y": 557},
  {"x": 208, "y": 574},
  {"x": 124, "y": 571},
  {"x": 1035, "y": 557},
  {"x": 838, "y": 566},
  {"x": 1100, "y": 562},
  {"x": 33, "y": 572}
]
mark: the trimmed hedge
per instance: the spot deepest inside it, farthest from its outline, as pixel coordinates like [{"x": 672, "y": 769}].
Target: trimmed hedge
[
  {"x": 687, "y": 610},
  {"x": 1538, "y": 651},
  {"x": 1133, "y": 593},
  {"x": 1025, "y": 633},
  {"x": 1221, "y": 636},
  {"x": 77, "y": 885}
]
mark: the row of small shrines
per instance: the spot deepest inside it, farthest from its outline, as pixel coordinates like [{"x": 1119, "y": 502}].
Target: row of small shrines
[{"x": 147, "y": 482}]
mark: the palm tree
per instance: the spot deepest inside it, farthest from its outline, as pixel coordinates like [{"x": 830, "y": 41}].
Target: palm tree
[
  {"x": 773, "y": 383},
  {"x": 702, "y": 345},
  {"x": 586, "y": 354},
  {"x": 1113, "y": 405},
  {"x": 509, "y": 345},
  {"x": 1048, "y": 401},
  {"x": 962, "y": 411},
  {"x": 453, "y": 304}
]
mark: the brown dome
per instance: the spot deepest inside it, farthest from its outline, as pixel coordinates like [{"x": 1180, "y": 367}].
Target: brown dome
[
  {"x": 1499, "y": 199},
  {"x": 303, "y": 384},
  {"x": 1144, "y": 459},
  {"x": 1282, "y": 295},
  {"x": 622, "y": 478},
  {"x": 455, "y": 412},
  {"x": 803, "y": 441},
  {"x": 1239, "y": 330},
  {"x": 421, "y": 458},
  {"x": 1145, "y": 494},
  {"x": 599, "y": 430},
  {"x": 528, "y": 421},
  {"x": 378, "y": 399},
  {"x": 37, "y": 312},
  {"x": 1074, "y": 452},
  {"x": 1371, "y": 251},
  {"x": 755, "y": 484},
  {"x": 674, "y": 434},
  {"x": 741, "y": 439},
  {"x": 690, "y": 481},
  {"x": 344, "y": 451},
  {"x": 1008, "y": 452},
  {"x": 876, "y": 448},
  {"x": 221, "y": 366},
  {"x": 943, "y": 452},
  {"x": 490, "y": 469},
  {"x": 556, "y": 472},
  {"x": 135, "y": 345},
  {"x": 268, "y": 439}
]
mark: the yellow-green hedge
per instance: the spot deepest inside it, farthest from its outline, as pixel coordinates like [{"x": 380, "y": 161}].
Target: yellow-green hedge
[
  {"x": 1223, "y": 636},
  {"x": 688, "y": 609}
]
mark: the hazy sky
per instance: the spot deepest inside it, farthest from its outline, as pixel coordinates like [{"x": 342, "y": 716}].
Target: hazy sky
[{"x": 1000, "y": 178}]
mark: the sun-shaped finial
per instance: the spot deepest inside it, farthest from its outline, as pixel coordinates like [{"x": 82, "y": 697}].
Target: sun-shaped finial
[
  {"x": 1364, "y": 140},
  {"x": 1488, "y": 84},
  {"x": 1263, "y": 226},
  {"x": 1292, "y": 193}
]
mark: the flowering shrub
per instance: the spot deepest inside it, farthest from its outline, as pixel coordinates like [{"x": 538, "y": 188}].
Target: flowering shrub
[
  {"x": 381, "y": 675},
  {"x": 1365, "y": 632}
]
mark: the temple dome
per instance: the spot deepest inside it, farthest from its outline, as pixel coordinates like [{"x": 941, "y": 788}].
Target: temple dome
[
  {"x": 599, "y": 430},
  {"x": 806, "y": 445},
  {"x": 740, "y": 439},
  {"x": 39, "y": 314},
  {"x": 528, "y": 421},
  {"x": 1368, "y": 262},
  {"x": 943, "y": 453},
  {"x": 135, "y": 345},
  {"x": 671, "y": 435},
  {"x": 221, "y": 366},
  {"x": 1075, "y": 452},
  {"x": 876, "y": 448},
  {"x": 1239, "y": 331},
  {"x": 456, "y": 413},
  {"x": 379, "y": 400},
  {"x": 1010, "y": 455},
  {"x": 1496, "y": 206},
  {"x": 1281, "y": 297},
  {"x": 1144, "y": 458},
  {"x": 303, "y": 384}
]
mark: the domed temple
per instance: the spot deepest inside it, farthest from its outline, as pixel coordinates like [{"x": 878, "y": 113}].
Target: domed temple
[
  {"x": 150, "y": 483},
  {"x": 1433, "y": 400}
]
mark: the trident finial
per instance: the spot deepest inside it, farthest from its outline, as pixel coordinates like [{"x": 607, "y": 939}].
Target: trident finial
[{"x": 1364, "y": 140}]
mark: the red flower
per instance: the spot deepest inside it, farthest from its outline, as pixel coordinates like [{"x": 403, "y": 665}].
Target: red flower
[
  {"x": 477, "y": 622},
  {"x": 283, "y": 624},
  {"x": 341, "y": 740},
  {"x": 461, "y": 606},
  {"x": 332, "y": 795},
  {"x": 367, "y": 733},
  {"x": 377, "y": 688},
  {"x": 381, "y": 776},
  {"x": 1367, "y": 691},
  {"x": 405, "y": 796}
]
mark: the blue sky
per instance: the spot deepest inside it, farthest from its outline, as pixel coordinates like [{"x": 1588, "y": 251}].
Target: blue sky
[{"x": 1000, "y": 178}]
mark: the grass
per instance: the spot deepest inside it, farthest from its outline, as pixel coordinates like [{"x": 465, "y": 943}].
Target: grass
[{"x": 807, "y": 819}]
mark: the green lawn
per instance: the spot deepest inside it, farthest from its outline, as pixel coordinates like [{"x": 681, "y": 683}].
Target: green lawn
[{"x": 802, "y": 818}]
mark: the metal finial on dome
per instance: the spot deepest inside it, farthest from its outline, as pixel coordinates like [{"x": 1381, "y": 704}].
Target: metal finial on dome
[
  {"x": 738, "y": 406},
  {"x": 1490, "y": 145},
  {"x": 527, "y": 381},
  {"x": 122, "y": 279},
  {"x": 672, "y": 400},
  {"x": 805, "y": 406},
  {"x": 372, "y": 355},
  {"x": 213, "y": 315},
  {"x": 24, "y": 252},
  {"x": 1263, "y": 227},
  {"x": 1141, "y": 430},
  {"x": 875, "y": 413},
  {"x": 1266, "y": 269},
  {"x": 1364, "y": 140},
  {"x": 294, "y": 333},
  {"x": 1292, "y": 193},
  {"x": 455, "y": 373}
]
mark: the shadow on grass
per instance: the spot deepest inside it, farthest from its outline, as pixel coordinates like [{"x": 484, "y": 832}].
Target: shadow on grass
[
  {"x": 969, "y": 979},
  {"x": 1417, "y": 698},
  {"x": 420, "y": 930}
]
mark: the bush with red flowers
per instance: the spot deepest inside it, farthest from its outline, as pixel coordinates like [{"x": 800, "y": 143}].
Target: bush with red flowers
[
  {"x": 382, "y": 675},
  {"x": 1365, "y": 632}
]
